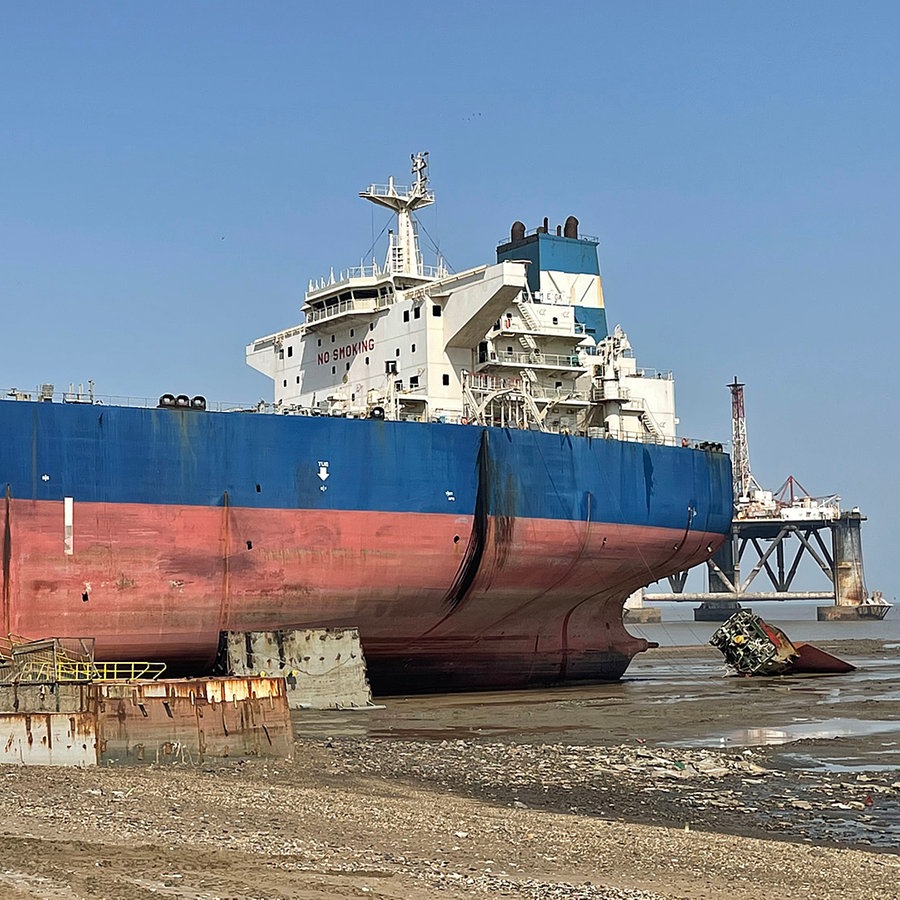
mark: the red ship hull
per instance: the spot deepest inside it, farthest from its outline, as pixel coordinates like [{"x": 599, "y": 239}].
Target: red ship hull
[{"x": 162, "y": 582}]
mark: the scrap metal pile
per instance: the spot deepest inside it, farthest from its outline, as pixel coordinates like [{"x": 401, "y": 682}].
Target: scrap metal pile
[{"x": 754, "y": 647}]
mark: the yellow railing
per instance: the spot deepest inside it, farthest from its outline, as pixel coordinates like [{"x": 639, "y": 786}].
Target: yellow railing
[
  {"x": 55, "y": 665},
  {"x": 128, "y": 671}
]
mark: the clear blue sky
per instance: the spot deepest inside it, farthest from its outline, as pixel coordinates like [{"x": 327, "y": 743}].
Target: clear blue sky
[{"x": 172, "y": 174}]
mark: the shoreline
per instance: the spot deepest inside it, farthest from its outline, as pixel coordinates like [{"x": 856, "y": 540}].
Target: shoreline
[{"x": 619, "y": 791}]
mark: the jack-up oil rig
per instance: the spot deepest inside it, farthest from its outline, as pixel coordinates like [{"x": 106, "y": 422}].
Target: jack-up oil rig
[{"x": 771, "y": 533}]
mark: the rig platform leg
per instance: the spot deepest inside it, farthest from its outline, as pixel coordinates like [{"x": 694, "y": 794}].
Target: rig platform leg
[{"x": 849, "y": 575}]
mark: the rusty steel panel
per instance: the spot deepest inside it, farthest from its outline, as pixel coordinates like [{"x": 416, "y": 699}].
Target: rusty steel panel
[
  {"x": 48, "y": 739},
  {"x": 194, "y": 720},
  {"x": 48, "y": 697}
]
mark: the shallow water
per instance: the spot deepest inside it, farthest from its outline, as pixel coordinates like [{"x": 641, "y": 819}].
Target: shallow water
[{"x": 676, "y": 701}]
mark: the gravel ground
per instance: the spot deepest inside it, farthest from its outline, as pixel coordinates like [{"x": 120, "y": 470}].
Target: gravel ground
[{"x": 376, "y": 818}]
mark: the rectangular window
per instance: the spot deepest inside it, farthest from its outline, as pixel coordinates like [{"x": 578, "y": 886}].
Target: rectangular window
[
  {"x": 413, "y": 381},
  {"x": 417, "y": 312},
  {"x": 405, "y": 315},
  {"x": 436, "y": 309},
  {"x": 413, "y": 348},
  {"x": 446, "y": 379},
  {"x": 390, "y": 367},
  {"x": 290, "y": 351}
]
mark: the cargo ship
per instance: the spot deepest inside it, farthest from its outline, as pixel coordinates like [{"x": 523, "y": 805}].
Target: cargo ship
[{"x": 468, "y": 467}]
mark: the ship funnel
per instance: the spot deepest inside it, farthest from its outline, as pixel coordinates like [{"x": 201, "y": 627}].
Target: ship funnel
[
  {"x": 571, "y": 229},
  {"x": 517, "y": 232}
]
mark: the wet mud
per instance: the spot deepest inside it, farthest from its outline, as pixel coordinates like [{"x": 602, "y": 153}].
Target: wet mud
[{"x": 662, "y": 746}]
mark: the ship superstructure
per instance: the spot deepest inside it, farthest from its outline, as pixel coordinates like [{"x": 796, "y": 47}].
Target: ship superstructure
[{"x": 521, "y": 343}]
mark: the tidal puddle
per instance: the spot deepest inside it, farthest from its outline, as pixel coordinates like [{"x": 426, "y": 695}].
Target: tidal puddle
[{"x": 825, "y": 729}]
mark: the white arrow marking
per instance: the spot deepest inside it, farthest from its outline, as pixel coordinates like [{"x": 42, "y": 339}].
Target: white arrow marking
[{"x": 323, "y": 470}]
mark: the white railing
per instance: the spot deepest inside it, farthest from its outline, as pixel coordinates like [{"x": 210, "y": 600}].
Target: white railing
[
  {"x": 337, "y": 309},
  {"x": 397, "y": 190},
  {"x": 654, "y": 373},
  {"x": 555, "y": 360}
]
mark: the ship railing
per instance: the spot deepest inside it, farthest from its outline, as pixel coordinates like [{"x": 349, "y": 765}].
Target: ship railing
[
  {"x": 396, "y": 190},
  {"x": 337, "y": 309},
  {"x": 14, "y": 394},
  {"x": 655, "y": 373},
  {"x": 490, "y": 383},
  {"x": 544, "y": 393},
  {"x": 534, "y": 358},
  {"x": 587, "y": 238}
]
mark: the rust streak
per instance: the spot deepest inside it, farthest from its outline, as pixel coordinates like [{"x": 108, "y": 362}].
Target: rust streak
[{"x": 7, "y": 564}]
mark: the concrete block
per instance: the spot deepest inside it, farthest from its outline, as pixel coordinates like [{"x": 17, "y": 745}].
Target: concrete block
[{"x": 324, "y": 668}]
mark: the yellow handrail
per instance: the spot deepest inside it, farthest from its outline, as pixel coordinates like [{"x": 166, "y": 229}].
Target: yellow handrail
[{"x": 46, "y": 666}]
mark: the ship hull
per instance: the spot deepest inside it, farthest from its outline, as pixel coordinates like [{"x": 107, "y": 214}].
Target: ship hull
[{"x": 467, "y": 557}]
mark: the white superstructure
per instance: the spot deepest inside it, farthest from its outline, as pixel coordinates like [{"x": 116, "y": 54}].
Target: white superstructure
[{"x": 521, "y": 343}]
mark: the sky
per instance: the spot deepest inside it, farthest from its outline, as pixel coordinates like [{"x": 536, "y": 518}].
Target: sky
[{"x": 173, "y": 174}]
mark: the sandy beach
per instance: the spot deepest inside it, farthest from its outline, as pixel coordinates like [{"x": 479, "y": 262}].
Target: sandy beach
[{"x": 676, "y": 783}]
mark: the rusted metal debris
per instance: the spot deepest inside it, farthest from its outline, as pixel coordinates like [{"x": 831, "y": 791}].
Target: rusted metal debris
[
  {"x": 752, "y": 646},
  {"x": 59, "y": 707}
]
